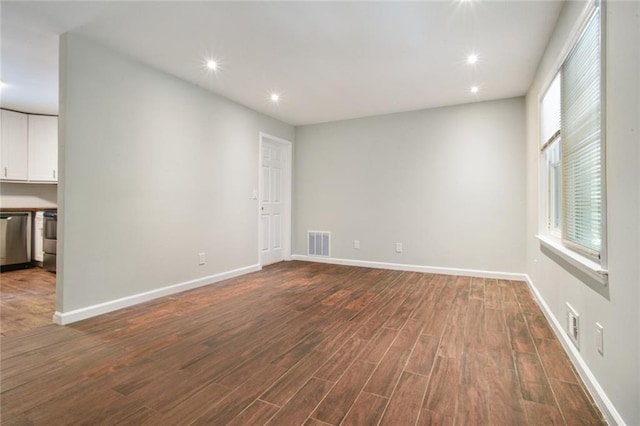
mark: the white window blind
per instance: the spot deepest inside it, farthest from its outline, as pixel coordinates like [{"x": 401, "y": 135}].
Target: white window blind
[
  {"x": 550, "y": 109},
  {"x": 582, "y": 142}
]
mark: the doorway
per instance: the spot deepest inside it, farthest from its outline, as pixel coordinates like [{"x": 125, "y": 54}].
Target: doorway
[{"x": 274, "y": 202}]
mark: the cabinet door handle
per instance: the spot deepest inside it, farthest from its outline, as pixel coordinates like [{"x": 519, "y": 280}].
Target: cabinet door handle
[
  {"x": 5, "y": 172},
  {"x": 54, "y": 174}
]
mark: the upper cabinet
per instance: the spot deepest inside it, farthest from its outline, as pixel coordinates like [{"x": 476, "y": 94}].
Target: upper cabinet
[
  {"x": 28, "y": 147},
  {"x": 43, "y": 148},
  {"x": 14, "y": 145}
]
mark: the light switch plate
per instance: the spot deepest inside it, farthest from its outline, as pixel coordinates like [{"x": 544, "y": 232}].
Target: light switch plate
[{"x": 600, "y": 339}]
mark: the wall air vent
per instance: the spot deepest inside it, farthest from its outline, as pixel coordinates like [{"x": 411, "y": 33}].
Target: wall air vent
[{"x": 319, "y": 243}]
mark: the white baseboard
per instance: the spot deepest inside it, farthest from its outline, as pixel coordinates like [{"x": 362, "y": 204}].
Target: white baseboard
[
  {"x": 414, "y": 268},
  {"x": 64, "y": 318},
  {"x": 599, "y": 396}
]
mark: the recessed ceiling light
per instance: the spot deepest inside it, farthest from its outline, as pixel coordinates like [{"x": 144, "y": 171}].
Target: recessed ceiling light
[
  {"x": 472, "y": 59},
  {"x": 275, "y": 97},
  {"x": 474, "y": 89},
  {"x": 212, "y": 65}
]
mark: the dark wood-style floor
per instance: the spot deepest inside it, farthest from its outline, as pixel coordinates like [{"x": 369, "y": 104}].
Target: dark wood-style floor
[
  {"x": 303, "y": 343},
  {"x": 27, "y": 299}
]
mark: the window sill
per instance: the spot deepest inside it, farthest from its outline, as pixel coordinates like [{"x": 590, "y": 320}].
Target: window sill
[{"x": 591, "y": 268}]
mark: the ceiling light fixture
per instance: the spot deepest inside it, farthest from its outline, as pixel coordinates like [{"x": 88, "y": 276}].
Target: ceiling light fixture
[
  {"x": 275, "y": 97},
  {"x": 212, "y": 65},
  {"x": 474, "y": 89},
  {"x": 472, "y": 59}
]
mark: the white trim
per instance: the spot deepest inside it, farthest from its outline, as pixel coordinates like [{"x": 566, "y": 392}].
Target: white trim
[
  {"x": 600, "y": 397},
  {"x": 288, "y": 183},
  {"x": 413, "y": 268},
  {"x": 63, "y": 318},
  {"x": 588, "y": 266}
]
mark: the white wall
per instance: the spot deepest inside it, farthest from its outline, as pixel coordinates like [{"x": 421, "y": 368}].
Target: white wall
[
  {"x": 28, "y": 195},
  {"x": 154, "y": 170},
  {"x": 616, "y": 306},
  {"x": 448, "y": 183}
]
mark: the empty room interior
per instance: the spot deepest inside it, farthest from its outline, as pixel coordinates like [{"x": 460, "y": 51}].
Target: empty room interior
[{"x": 320, "y": 213}]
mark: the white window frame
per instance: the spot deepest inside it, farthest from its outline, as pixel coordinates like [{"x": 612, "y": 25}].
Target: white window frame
[{"x": 548, "y": 236}]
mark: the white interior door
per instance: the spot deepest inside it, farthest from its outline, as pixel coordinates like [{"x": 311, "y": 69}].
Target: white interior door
[{"x": 275, "y": 196}]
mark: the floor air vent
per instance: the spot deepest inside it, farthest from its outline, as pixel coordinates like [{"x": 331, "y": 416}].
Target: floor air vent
[{"x": 319, "y": 243}]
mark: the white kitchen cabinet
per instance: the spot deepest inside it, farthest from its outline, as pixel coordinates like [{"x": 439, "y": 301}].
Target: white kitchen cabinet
[
  {"x": 38, "y": 237},
  {"x": 13, "y": 146},
  {"x": 43, "y": 148}
]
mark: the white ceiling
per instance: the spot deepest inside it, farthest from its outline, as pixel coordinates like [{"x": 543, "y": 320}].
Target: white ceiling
[{"x": 328, "y": 60}]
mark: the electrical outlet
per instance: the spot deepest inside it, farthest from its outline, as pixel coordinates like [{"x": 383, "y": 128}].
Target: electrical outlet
[
  {"x": 356, "y": 244},
  {"x": 201, "y": 259},
  {"x": 398, "y": 247},
  {"x": 573, "y": 325},
  {"x": 600, "y": 339}
]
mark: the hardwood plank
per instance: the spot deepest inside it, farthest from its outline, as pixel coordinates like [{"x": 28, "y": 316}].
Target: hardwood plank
[
  {"x": 379, "y": 345},
  {"x": 492, "y": 294},
  {"x": 555, "y": 361},
  {"x": 442, "y": 392},
  {"x": 235, "y": 402},
  {"x": 169, "y": 389},
  {"x": 475, "y": 370},
  {"x": 538, "y": 326},
  {"x": 302, "y": 403},
  {"x": 505, "y": 414},
  {"x": 27, "y": 300},
  {"x": 190, "y": 409},
  {"x": 497, "y": 343},
  {"x": 521, "y": 340},
  {"x": 475, "y": 335},
  {"x": 293, "y": 380},
  {"x": 434, "y": 285},
  {"x": 543, "y": 415},
  {"x": 337, "y": 403},
  {"x": 140, "y": 417},
  {"x": 436, "y": 322},
  {"x": 259, "y": 412},
  {"x": 423, "y": 355},
  {"x": 335, "y": 366},
  {"x": 533, "y": 381},
  {"x": 505, "y": 394},
  {"x": 507, "y": 294},
  {"x": 405, "y": 310},
  {"x": 524, "y": 296},
  {"x": 473, "y": 408},
  {"x": 477, "y": 289},
  {"x": 80, "y": 402},
  {"x": 431, "y": 418},
  {"x": 367, "y": 410},
  {"x": 576, "y": 406},
  {"x": 49, "y": 386},
  {"x": 388, "y": 372},
  {"x": 299, "y": 350},
  {"x": 405, "y": 403},
  {"x": 123, "y": 410},
  {"x": 360, "y": 302}
]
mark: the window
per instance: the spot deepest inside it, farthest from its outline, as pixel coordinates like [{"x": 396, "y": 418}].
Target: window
[
  {"x": 572, "y": 147},
  {"x": 550, "y": 121}
]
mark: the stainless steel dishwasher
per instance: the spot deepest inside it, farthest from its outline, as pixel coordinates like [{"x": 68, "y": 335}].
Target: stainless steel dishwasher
[{"x": 14, "y": 239}]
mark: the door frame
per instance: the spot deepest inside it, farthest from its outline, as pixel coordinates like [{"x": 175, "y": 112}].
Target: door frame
[{"x": 287, "y": 193}]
